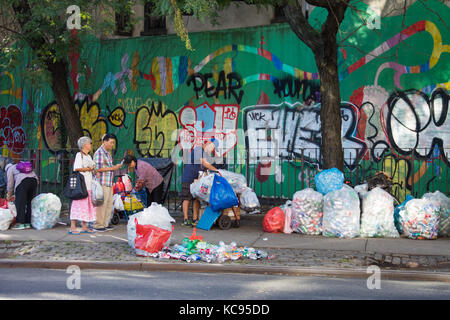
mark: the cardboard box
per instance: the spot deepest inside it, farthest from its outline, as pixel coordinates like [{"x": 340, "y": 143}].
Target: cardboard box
[{"x": 230, "y": 213}]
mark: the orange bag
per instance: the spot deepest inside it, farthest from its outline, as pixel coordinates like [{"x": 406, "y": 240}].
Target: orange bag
[
  {"x": 273, "y": 221},
  {"x": 150, "y": 238}
]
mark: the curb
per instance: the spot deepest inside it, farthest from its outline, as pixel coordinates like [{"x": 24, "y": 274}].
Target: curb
[{"x": 398, "y": 275}]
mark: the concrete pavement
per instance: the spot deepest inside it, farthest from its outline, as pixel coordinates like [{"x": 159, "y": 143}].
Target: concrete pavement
[{"x": 294, "y": 253}]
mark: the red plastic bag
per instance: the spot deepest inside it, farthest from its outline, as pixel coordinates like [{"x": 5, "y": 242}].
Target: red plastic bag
[
  {"x": 273, "y": 221},
  {"x": 150, "y": 238},
  {"x": 119, "y": 186},
  {"x": 3, "y": 203}
]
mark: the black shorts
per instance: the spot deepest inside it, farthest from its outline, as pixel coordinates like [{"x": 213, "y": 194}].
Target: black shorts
[{"x": 186, "y": 191}]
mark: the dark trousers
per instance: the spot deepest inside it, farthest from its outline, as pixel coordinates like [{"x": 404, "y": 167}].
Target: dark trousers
[
  {"x": 156, "y": 195},
  {"x": 25, "y": 192}
]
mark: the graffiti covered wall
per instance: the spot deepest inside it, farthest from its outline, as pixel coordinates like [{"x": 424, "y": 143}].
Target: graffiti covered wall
[{"x": 257, "y": 92}]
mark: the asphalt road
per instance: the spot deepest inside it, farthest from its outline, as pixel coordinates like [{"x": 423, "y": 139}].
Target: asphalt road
[{"x": 75, "y": 284}]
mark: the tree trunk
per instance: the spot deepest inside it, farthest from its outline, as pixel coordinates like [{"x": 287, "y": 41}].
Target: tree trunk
[
  {"x": 58, "y": 70},
  {"x": 330, "y": 112},
  {"x": 61, "y": 91},
  {"x": 323, "y": 43}
]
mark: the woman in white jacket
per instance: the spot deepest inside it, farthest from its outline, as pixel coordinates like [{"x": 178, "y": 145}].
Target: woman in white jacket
[{"x": 83, "y": 210}]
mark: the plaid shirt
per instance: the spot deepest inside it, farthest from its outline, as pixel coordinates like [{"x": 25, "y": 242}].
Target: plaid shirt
[{"x": 102, "y": 159}]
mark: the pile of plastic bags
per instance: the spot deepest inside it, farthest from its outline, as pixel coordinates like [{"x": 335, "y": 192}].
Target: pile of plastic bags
[
  {"x": 338, "y": 210},
  {"x": 45, "y": 211},
  {"x": 201, "y": 189}
]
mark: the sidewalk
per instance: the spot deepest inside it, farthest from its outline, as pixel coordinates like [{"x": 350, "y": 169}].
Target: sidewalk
[{"x": 293, "y": 253}]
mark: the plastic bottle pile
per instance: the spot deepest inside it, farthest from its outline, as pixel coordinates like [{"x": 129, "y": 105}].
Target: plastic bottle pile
[
  {"x": 197, "y": 250},
  {"x": 307, "y": 212},
  {"x": 45, "y": 211},
  {"x": 443, "y": 202}
]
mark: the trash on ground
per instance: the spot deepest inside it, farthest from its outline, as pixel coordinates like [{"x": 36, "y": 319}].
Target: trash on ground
[{"x": 307, "y": 212}]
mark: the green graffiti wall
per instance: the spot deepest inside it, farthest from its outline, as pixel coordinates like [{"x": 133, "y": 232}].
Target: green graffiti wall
[{"x": 257, "y": 92}]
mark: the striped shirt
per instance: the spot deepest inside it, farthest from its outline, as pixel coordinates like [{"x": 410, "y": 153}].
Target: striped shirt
[{"x": 103, "y": 159}]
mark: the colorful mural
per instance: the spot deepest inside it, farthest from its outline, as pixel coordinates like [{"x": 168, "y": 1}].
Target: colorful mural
[{"x": 257, "y": 92}]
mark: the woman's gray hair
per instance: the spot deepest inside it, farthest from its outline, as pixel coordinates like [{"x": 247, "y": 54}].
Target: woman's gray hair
[{"x": 82, "y": 141}]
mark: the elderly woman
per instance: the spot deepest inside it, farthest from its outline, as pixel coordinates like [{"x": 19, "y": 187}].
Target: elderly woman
[
  {"x": 83, "y": 210},
  {"x": 149, "y": 177}
]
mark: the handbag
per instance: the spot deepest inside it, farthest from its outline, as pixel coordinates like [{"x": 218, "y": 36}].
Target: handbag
[{"x": 75, "y": 188}]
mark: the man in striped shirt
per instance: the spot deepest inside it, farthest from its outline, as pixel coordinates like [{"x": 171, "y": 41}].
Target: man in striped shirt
[{"x": 105, "y": 175}]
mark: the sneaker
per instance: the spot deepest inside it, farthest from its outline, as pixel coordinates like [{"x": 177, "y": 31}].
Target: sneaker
[
  {"x": 27, "y": 226},
  {"x": 187, "y": 223},
  {"x": 194, "y": 223},
  {"x": 18, "y": 226},
  {"x": 109, "y": 228},
  {"x": 100, "y": 229}
]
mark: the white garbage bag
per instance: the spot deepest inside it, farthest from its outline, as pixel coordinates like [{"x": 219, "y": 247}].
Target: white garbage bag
[
  {"x": 45, "y": 211},
  {"x": 377, "y": 218},
  {"x": 6, "y": 218},
  {"x": 307, "y": 212},
  {"x": 362, "y": 190},
  {"x": 118, "y": 203},
  {"x": 248, "y": 200},
  {"x": 201, "y": 189},
  {"x": 341, "y": 213},
  {"x": 420, "y": 219},
  {"x": 443, "y": 202},
  {"x": 155, "y": 215}
]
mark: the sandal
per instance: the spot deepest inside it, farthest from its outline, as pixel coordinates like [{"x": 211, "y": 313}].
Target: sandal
[
  {"x": 74, "y": 232},
  {"x": 87, "y": 231}
]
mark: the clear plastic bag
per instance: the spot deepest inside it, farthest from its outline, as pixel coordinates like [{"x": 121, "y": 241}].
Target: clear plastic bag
[
  {"x": 341, "y": 213},
  {"x": 97, "y": 196},
  {"x": 248, "y": 199},
  {"x": 420, "y": 219},
  {"x": 236, "y": 180},
  {"x": 45, "y": 211},
  {"x": 377, "y": 218},
  {"x": 307, "y": 212},
  {"x": 443, "y": 202}
]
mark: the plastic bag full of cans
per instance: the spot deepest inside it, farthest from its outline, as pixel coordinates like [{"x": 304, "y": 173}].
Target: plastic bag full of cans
[
  {"x": 420, "y": 219},
  {"x": 307, "y": 212},
  {"x": 341, "y": 213},
  {"x": 196, "y": 250}
]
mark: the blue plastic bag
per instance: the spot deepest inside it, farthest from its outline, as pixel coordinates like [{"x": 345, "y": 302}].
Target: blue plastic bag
[
  {"x": 329, "y": 180},
  {"x": 222, "y": 194}
]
